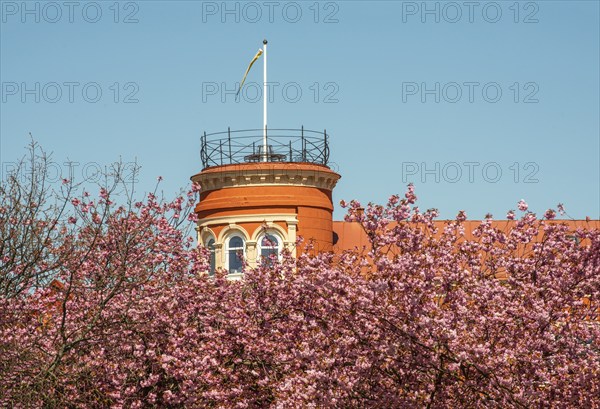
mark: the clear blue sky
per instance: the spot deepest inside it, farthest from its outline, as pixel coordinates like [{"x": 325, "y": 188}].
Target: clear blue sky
[{"x": 373, "y": 63}]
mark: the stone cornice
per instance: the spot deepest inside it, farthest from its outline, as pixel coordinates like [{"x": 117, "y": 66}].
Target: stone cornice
[
  {"x": 290, "y": 219},
  {"x": 272, "y": 174}
]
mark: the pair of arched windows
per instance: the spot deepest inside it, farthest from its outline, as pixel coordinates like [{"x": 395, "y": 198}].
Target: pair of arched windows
[{"x": 269, "y": 248}]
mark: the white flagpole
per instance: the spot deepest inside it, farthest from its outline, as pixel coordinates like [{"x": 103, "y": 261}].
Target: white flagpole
[{"x": 265, "y": 153}]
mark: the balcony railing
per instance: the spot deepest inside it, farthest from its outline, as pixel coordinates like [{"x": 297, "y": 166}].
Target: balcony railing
[{"x": 283, "y": 145}]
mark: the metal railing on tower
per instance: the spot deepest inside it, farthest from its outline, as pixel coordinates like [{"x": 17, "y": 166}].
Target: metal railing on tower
[{"x": 246, "y": 146}]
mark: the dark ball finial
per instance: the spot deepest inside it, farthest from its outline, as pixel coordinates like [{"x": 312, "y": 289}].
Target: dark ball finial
[{"x": 265, "y": 41}]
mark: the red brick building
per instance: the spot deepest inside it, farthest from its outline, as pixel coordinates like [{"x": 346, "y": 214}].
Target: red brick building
[{"x": 255, "y": 202}]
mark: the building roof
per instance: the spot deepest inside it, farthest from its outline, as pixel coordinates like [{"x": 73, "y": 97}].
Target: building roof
[{"x": 351, "y": 235}]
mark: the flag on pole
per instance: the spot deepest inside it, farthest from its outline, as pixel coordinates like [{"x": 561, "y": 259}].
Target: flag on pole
[{"x": 258, "y": 54}]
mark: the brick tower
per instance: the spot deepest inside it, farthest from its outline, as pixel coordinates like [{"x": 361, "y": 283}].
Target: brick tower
[{"x": 256, "y": 199}]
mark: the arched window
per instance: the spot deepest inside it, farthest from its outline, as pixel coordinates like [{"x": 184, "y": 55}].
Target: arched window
[
  {"x": 235, "y": 254},
  {"x": 211, "y": 247},
  {"x": 270, "y": 247}
]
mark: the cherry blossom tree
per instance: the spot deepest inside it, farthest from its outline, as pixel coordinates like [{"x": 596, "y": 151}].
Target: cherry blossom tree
[{"x": 107, "y": 305}]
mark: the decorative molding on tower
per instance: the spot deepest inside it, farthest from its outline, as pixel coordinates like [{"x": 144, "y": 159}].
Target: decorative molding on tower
[
  {"x": 290, "y": 219},
  {"x": 269, "y": 174}
]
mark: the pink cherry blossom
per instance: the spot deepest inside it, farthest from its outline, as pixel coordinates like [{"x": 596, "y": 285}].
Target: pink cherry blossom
[
  {"x": 118, "y": 311},
  {"x": 522, "y": 205}
]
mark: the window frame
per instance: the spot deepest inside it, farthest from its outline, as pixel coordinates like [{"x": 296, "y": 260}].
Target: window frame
[
  {"x": 228, "y": 250},
  {"x": 279, "y": 248},
  {"x": 210, "y": 245}
]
